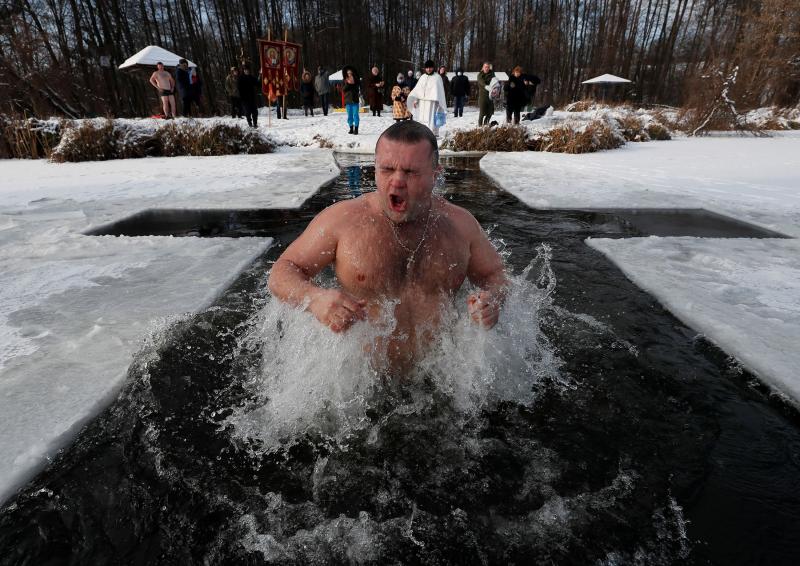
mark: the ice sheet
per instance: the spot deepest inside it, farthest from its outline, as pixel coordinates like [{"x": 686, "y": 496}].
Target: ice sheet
[
  {"x": 743, "y": 294},
  {"x": 73, "y": 308}
]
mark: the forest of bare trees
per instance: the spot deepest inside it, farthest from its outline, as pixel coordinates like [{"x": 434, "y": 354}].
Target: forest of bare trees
[{"x": 61, "y": 56}]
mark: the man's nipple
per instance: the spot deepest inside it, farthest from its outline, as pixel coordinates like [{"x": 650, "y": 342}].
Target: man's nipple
[{"x": 361, "y": 277}]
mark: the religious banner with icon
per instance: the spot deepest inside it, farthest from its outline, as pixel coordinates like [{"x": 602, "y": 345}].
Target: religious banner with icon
[
  {"x": 271, "y": 68},
  {"x": 279, "y": 64},
  {"x": 291, "y": 63}
]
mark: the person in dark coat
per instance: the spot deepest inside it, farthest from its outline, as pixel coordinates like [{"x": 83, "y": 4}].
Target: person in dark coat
[
  {"x": 375, "y": 91},
  {"x": 323, "y": 87},
  {"x": 485, "y": 104},
  {"x": 411, "y": 82},
  {"x": 531, "y": 82},
  {"x": 516, "y": 96},
  {"x": 307, "y": 92},
  {"x": 196, "y": 89},
  {"x": 446, "y": 83},
  {"x": 183, "y": 82},
  {"x": 351, "y": 86},
  {"x": 248, "y": 93},
  {"x": 232, "y": 90},
  {"x": 459, "y": 87}
]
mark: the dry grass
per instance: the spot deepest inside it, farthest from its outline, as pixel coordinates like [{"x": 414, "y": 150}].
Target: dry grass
[
  {"x": 668, "y": 120},
  {"x": 657, "y": 131},
  {"x": 27, "y": 138},
  {"x": 597, "y": 135},
  {"x": 218, "y": 139},
  {"x": 581, "y": 106},
  {"x": 501, "y": 138},
  {"x": 93, "y": 141},
  {"x": 88, "y": 141},
  {"x": 632, "y": 128},
  {"x": 324, "y": 142}
]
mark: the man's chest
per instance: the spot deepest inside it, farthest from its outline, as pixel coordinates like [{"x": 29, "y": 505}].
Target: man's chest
[{"x": 376, "y": 263}]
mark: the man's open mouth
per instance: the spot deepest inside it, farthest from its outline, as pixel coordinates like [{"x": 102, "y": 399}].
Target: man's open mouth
[{"x": 397, "y": 203}]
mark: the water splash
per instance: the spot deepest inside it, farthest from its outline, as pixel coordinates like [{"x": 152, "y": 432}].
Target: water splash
[{"x": 311, "y": 380}]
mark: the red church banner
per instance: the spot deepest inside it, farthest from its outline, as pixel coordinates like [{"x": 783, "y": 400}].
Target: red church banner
[
  {"x": 280, "y": 62},
  {"x": 291, "y": 65}
]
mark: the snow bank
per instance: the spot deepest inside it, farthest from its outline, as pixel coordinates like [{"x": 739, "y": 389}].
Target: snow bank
[
  {"x": 74, "y": 308},
  {"x": 742, "y": 294},
  {"x": 753, "y": 179}
]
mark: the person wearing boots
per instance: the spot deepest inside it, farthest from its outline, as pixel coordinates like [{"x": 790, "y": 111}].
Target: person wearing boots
[
  {"x": 323, "y": 87},
  {"x": 351, "y": 97},
  {"x": 232, "y": 90},
  {"x": 307, "y": 92},
  {"x": 248, "y": 92},
  {"x": 459, "y": 86},
  {"x": 485, "y": 104}
]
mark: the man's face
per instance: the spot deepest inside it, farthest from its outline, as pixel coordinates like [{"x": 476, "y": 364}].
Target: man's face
[
  {"x": 486, "y": 67},
  {"x": 160, "y": 66},
  {"x": 405, "y": 176}
]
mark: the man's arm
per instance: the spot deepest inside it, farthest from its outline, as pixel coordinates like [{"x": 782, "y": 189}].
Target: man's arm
[
  {"x": 315, "y": 249},
  {"x": 486, "y": 270},
  {"x": 153, "y": 80}
]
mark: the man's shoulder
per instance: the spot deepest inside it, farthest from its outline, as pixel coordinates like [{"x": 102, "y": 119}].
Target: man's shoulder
[
  {"x": 343, "y": 210},
  {"x": 460, "y": 218}
]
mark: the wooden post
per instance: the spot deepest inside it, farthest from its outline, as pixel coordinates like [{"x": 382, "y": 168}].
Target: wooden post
[
  {"x": 269, "y": 102},
  {"x": 286, "y": 90}
]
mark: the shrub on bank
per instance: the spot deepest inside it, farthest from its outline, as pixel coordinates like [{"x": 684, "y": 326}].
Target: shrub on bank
[
  {"x": 571, "y": 138},
  {"x": 501, "y": 138},
  {"x": 94, "y": 140},
  {"x": 27, "y": 138}
]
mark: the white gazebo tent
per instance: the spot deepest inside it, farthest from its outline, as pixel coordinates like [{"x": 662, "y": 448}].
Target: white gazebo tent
[
  {"x": 149, "y": 56},
  {"x": 604, "y": 81}
]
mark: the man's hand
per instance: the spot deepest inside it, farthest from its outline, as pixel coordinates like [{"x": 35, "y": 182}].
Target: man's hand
[
  {"x": 484, "y": 308},
  {"x": 336, "y": 309}
]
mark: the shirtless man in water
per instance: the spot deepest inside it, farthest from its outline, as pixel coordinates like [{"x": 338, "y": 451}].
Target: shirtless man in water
[{"x": 399, "y": 244}]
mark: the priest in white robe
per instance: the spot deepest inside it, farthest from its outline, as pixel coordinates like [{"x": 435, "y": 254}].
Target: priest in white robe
[{"x": 427, "y": 98}]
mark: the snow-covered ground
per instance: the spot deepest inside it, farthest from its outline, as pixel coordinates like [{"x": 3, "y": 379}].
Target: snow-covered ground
[
  {"x": 74, "y": 308},
  {"x": 742, "y": 294}
]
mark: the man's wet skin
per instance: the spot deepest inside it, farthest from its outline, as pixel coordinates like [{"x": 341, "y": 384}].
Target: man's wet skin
[{"x": 399, "y": 248}]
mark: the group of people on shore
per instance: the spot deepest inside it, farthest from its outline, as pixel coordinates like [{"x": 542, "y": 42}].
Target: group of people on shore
[{"x": 424, "y": 96}]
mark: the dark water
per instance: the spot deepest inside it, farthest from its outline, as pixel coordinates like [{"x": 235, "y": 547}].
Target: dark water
[{"x": 660, "y": 451}]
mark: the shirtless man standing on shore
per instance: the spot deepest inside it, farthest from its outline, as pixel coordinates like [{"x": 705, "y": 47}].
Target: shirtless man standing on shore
[
  {"x": 165, "y": 84},
  {"x": 399, "y": 244}
]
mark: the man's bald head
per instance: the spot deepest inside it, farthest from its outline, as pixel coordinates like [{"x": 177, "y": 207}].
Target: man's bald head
[{"x": 410, "y": 132}]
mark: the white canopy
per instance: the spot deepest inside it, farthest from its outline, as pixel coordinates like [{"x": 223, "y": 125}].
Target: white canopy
[
  {"x": 152, "y": 54},
  {"x": 606, "y": 79}
]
